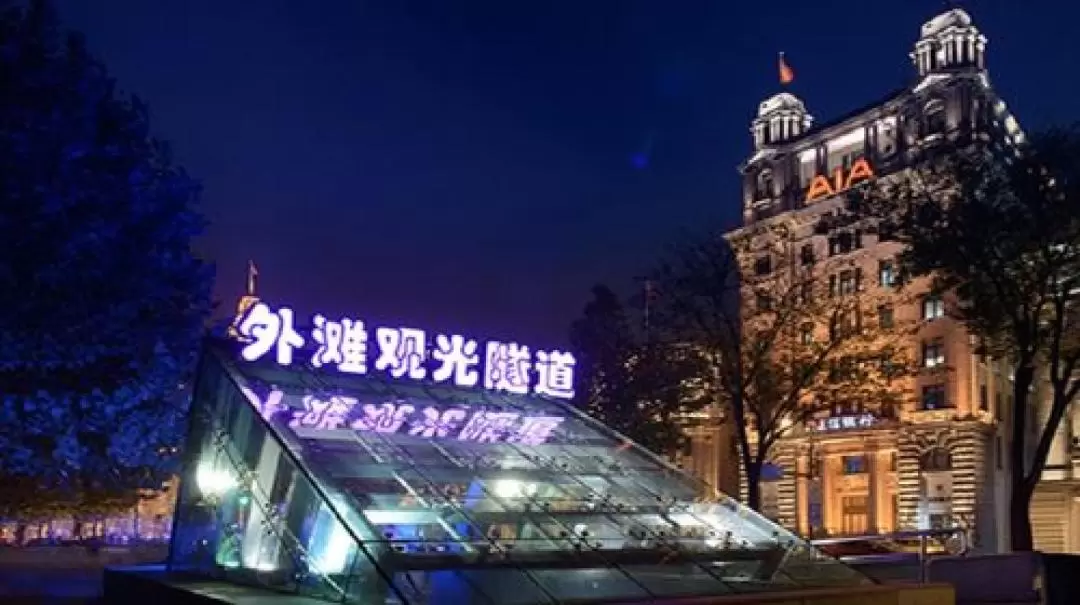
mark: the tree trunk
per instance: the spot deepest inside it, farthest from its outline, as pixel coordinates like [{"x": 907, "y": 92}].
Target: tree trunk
[
  {"x": 1020, "y": 536},
  {"x": 753, "y": 484},
  {"x": 1020, "y": 492}
]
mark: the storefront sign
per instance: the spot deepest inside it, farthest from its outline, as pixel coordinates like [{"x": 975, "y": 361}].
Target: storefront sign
[
  {"x": 403, "y": 352},
  {"x": 841, "y": 423},
  {"x": 460, "y": 423},
  {"x": 822, "y": 186}
]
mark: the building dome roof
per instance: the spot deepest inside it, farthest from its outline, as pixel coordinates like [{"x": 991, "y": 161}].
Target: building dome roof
[
  {"x": 780, "y": 102},
  {"x": 953, "y": 18}
]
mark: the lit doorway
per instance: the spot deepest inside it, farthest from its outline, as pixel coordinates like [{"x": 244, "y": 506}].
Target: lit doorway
[{"x": 854, "y": 518}]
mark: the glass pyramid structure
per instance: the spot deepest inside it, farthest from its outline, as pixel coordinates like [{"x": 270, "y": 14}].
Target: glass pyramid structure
[{"x": 360, "y": 489}]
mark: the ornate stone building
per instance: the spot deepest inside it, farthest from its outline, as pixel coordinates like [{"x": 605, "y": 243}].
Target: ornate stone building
[
  {"x": 940, "y": 460},
  {"x": 1055, "y": 507}
]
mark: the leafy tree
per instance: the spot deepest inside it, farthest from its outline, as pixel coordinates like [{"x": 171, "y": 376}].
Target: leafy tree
[
  {"x": 785, "y": 341},
  {"x": 1001, "y": 232},
  {"x": 101, "y": 301},
  {"x": 637, "y": 386}
]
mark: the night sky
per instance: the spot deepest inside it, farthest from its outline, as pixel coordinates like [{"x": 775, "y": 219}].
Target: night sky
[{"x": 477, "y": 166}]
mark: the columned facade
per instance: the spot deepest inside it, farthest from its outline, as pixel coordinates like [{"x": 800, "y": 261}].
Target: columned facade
[{"x": 938, "y": 459}]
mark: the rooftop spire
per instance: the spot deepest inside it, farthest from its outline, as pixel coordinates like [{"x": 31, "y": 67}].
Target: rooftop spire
[{"x": 246, "y": 301}]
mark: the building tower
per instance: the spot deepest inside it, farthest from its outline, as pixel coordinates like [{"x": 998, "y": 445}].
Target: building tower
[
  {"x": 949, "y": 43},
  {"x": 780, "y": 118},
  {"x": 936, "y": 461}
]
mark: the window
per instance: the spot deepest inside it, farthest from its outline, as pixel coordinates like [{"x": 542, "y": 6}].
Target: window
[
  {"x": 933, "y": 353},
  {"x": 832, "y": 285},
  {"x": 886, "y": 274},
  {"x": 940, "y": 521},
  {"x": 764, "y": 302},
  {"x": 807, "y": 170},
  {"x": 835, "y": 246},
  {"x": 845, "y": 242},
  {"x": 763, "y": 265},
  {"x": 933, "y": 307},
  {"x": 806, "y": 335},
  {"x": 849, "y": 158},
  {"x": 935, "y": 460},
  {"x": 933, "y": 397},
  {"x": 806, "y": 254},
  {"x": 935, "y": 118},
  {"x": 984, "y": 398},
  {"x": 887, "y": 367},
  {"x": 999, "y": 409},
  {"x": 886, "y": 140},
  {"x": 848, "y": 284},
  {"x": 806, "y": 293},
  {"x": 885, "y": 317},
  {"x": 885, "y": 231},
  {"x": 854, "y": 465},
  {"x": 845, "y": 324},
  {"x": 764, "y": 186}
]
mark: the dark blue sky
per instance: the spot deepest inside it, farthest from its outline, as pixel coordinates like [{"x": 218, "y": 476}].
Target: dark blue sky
[{"x": 479, "y": 165}]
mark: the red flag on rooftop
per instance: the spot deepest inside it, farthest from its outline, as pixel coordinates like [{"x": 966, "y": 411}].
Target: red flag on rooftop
[{"x": 787, "y": 75}]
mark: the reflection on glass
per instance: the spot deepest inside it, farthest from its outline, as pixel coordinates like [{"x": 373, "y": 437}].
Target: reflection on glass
[{"x": 328, "y": 489}]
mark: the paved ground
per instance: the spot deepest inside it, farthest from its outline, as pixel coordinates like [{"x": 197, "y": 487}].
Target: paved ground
[
  {"x": 72, "y": 576},
  {"x": 890, "y": 573},
  {"x": 67, "y": 575}
]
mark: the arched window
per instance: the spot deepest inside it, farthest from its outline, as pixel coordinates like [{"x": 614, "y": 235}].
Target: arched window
[
  {"x": 936, "y": 459},
  {"x": 936, "y": 487},
  {"x": 934, "y": 118},
  {"x": 764, "y": 186}
]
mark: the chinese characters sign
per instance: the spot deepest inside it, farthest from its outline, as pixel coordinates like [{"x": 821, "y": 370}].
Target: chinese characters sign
[
  {"x": 460, "y": 423},
  {"x": 349, "y": 345},
  {"x": 841, "y": 423}
]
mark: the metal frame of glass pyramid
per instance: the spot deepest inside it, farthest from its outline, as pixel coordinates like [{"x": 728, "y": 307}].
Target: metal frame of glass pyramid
[{"x": 361, "y": 489}]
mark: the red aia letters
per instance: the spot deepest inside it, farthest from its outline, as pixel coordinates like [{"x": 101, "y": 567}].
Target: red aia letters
[{"x": 821, "y": 186}]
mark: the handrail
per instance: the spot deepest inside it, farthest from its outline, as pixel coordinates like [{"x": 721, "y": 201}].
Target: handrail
[
  {"x": 898, "y": 535},
  {"x": 922, "y": 535}
]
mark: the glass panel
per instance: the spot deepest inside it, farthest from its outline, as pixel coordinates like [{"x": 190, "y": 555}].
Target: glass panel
[
  {"x": 249, "y": 515},
  {"x": 364, "y": 489}
]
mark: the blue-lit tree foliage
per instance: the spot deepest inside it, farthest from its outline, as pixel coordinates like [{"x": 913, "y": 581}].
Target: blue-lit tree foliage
[{"x": 102, "y": 302}]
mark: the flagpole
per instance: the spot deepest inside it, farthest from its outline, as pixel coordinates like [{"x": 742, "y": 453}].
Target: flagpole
[{"x": 253, "y": 276}]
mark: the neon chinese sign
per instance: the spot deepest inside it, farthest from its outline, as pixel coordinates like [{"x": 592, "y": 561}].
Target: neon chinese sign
[
  {"x": 821, "y": 186},
  {"x": 460, "y": 423},
  {"x": 346, "y": 345},
  {"x": 841, "y": 423}
]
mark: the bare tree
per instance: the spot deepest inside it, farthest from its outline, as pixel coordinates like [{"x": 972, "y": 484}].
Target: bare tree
[
  {"x": 1002, "y": 232},
  {"x": 639, "y": 387},
  {"x": 788, "y": 337}
]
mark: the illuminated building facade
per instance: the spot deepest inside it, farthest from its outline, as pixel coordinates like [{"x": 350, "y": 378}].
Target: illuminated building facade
[
  {"x": 324, "y": 463},
  {"x": 940, "y": 460},
  {"x": 1055, "y": 506}
]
